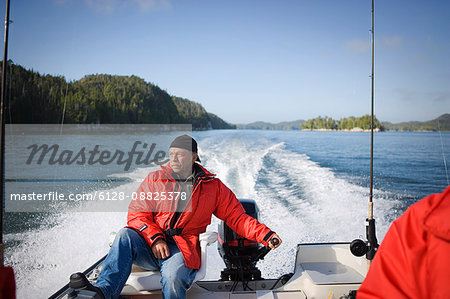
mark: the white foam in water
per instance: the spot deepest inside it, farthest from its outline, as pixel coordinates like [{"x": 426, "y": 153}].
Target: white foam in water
[{"x": 299, "y": 199}]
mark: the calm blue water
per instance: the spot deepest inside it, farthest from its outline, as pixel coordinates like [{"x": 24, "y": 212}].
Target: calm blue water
[{"x": 310, "y": 187}]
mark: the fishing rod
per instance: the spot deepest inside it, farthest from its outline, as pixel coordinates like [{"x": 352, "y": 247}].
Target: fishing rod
[
  {"x": 359, "y": 247},
  {"x": 370, "y": 225},
  {"x": 2, "y": 131}
]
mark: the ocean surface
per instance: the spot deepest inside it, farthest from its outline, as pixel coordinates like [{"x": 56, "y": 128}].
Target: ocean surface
[{"x": 309, "y": 186}]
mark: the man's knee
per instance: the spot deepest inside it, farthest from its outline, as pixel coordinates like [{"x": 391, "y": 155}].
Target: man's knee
[
  {"x": 125, "y": 236},
  {"x": 125, "y": 232}
]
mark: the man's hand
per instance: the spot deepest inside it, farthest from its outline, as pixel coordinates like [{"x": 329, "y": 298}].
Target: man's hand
[
  {"x": 273, "y": 241},
  {"x": 160, "y": 249}
]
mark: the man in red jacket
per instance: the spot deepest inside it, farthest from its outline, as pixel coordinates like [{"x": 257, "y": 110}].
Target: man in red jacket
[
  {"x": 172, "y": 207},
  {"x": 413, "y": 260}
]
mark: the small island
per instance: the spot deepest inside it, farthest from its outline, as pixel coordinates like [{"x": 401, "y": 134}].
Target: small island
[
  {"x": 362, "y": 124},
  {"x": 354, "y": 124}
]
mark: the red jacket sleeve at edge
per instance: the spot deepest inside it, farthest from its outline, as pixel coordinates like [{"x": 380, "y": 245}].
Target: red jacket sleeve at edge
[{"x": 395, "y": 270}]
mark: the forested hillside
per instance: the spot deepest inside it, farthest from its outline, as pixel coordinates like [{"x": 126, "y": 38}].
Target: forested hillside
[
  {"x": 37, "y": 99},
  {"x": 442, "y": 123},
  {"x": 285, "y": 125}
]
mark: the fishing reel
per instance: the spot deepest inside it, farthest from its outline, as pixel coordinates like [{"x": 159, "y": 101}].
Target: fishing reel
[{"x": 359, "y": 247}]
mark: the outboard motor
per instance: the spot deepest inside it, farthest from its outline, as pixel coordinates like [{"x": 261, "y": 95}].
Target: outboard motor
[{"x": 239, "y": 254}]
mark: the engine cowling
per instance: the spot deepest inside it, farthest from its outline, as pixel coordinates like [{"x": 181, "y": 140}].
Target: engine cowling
[{"x": 239, "y": 254}]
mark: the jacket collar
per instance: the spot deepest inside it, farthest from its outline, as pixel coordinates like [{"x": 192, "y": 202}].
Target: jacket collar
[{"x": 200, "y": 171}]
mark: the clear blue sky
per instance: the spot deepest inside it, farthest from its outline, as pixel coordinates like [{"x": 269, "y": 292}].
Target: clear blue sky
[{"x": 250, "y": 60}]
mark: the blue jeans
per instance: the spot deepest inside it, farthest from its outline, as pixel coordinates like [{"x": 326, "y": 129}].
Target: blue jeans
[{"x": 130, "y": 248}]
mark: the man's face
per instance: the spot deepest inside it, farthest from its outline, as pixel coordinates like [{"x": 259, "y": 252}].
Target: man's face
[{"x": 181, "y": 160}]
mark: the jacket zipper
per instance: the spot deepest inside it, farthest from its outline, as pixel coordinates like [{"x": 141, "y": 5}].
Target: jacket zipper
[{"x": 196, "y": 183}]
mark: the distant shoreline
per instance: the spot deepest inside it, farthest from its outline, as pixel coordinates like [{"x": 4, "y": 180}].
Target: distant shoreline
[
  {"x": 336, "y": 130},
  {"x": 353, "y": 124},
  {"x": 351, "y": 131}
]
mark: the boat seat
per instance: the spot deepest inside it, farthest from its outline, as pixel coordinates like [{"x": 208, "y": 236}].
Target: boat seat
[
  {"x": 144, "y": 280},
  {"x": 331, "y": 273}
]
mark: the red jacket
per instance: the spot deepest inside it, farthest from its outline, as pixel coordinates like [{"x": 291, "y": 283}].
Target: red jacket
[
  {"x": 152, "y": 217},
  {"x": 413, "y": 260}
]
